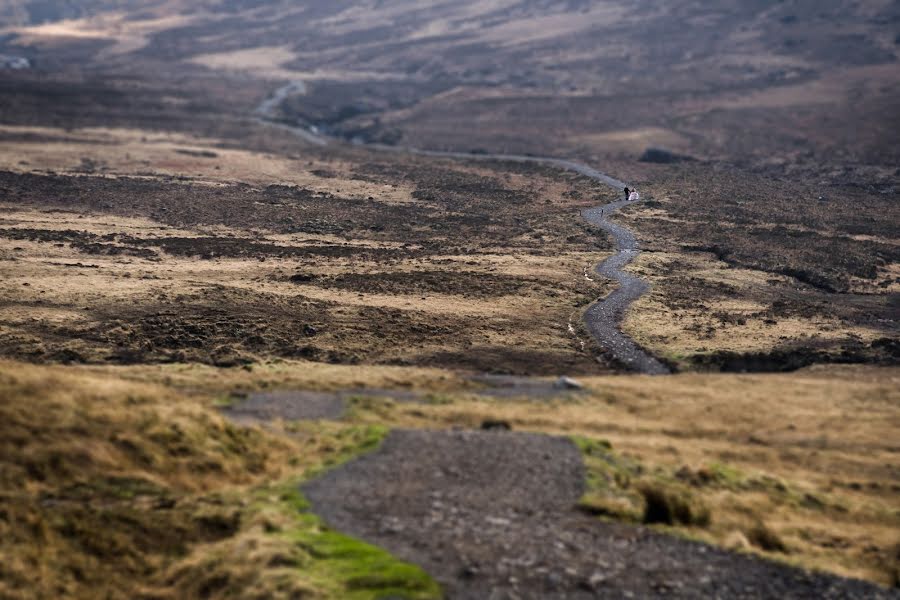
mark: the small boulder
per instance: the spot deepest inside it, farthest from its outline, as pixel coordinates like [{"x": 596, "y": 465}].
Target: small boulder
[
  {"x": 661, "y": 156},
  {"x": 567, "y": 383}
]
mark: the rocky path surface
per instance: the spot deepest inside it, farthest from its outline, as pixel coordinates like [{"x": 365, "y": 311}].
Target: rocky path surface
[
  {"x": 306, "y": 405},
  {"x": 603, "y": 318},
  {"x": 493, "y": 515},
  {"x": 289, "y": 405}
]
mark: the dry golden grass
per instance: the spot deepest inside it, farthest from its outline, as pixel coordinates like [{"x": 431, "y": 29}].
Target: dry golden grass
[
  {"x": 89, "y": 465},
  {"x": 210, "y": 383},
  {"x": 835, "y": 87},
  {"x": 263, "y": 61},
  {"x": 126, "y": 489},
  {"x": 632, "y": 142},
  {"x": 739, "y": 321},
  {"x": 125, "y": 34},
  {"x": 60, "y": 284},
  {"x": 49, "y": 269},
  {"x": 120, "y": 152},
  {"x": 151, "y": 433}
]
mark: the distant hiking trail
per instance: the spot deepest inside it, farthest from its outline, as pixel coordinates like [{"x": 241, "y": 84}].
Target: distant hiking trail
[
  {"x": 603, "y": 317},
  {"x": 492, "y": 515}
]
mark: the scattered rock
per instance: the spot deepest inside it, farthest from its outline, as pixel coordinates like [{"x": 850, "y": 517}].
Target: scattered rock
[
  {"x": 468, "y": 571},
  {"x": 553, "y": 581},
  {"x": 596, "y": 580},
  {"x": 567, "y": 383}
]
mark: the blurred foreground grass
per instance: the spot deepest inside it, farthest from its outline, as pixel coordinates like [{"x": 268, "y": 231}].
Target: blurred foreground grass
[
  {"x": 118, "y": 489},
  {"x": 126, "y": 482}
]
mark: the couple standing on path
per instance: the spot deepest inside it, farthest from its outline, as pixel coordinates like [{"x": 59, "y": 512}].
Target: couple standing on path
[{"x": 631, "y": 195}]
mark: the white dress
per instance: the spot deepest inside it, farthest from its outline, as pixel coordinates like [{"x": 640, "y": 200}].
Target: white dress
[{"x": 634, "y": 196}]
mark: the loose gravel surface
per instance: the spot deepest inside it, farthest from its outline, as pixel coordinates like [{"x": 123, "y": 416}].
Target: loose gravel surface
[
  {"x": 492, "y": 515},
  {"x": 287, "y": 405},
  {"x": 604, "y": 316},
  {"x": 304, "y": 405}
]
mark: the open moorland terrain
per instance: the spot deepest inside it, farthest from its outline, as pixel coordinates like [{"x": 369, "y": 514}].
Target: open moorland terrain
[{"x": 253, "y": 346}]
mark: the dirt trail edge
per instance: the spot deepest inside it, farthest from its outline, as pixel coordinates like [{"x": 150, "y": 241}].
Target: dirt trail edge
[
  {"x": 602, "y": 317},
  {"x": 493, "y": 515}
]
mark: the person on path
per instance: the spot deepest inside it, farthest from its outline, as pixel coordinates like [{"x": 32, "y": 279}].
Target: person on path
[
  {"x": 634, "y": 197},
  {"x": 627, "y": 192}
]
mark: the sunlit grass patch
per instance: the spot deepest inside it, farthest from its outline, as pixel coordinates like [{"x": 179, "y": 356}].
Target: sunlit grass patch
[{"x": 728, "y": 506}]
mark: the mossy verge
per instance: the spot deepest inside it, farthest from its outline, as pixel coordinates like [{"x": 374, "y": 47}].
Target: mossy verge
[
  {"x": 338, "y": 565},
  {"x": 125, "y": 490},
  {"x": 717, "y": 504},
  {"x": 282, "y": 550},
  {"x": 623, "y": 489},
  {"x": 345, "y": 567}
]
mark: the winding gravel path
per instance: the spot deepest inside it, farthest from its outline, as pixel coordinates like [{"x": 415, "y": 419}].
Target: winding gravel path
[
  {"x": 603, "y": 318},
  {"x": 493, "y": 515}
]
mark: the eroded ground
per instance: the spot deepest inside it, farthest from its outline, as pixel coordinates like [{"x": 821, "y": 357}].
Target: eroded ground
[
  {"x": 753, "y": 273},
  {"x": 789, "y": 103},
  {"x": 344, "y": 257}
]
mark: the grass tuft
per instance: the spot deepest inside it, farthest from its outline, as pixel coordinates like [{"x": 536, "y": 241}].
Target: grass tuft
[
  {"x": 763, "y": 537},
  {"x": 622, "y": 489},
  {"x": 670, "y": 504}
]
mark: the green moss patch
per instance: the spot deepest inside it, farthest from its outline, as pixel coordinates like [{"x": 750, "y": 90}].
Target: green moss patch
[{"x": 623, "y": 489}]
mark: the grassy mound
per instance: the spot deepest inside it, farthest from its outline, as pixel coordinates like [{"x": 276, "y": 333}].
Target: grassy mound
[
  {"x": 715, "y": 503},
  {"x": 122, "y": 489}
]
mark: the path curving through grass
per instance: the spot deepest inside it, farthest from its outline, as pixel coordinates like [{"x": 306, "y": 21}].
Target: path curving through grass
[{"x": 604, "y": 317}]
